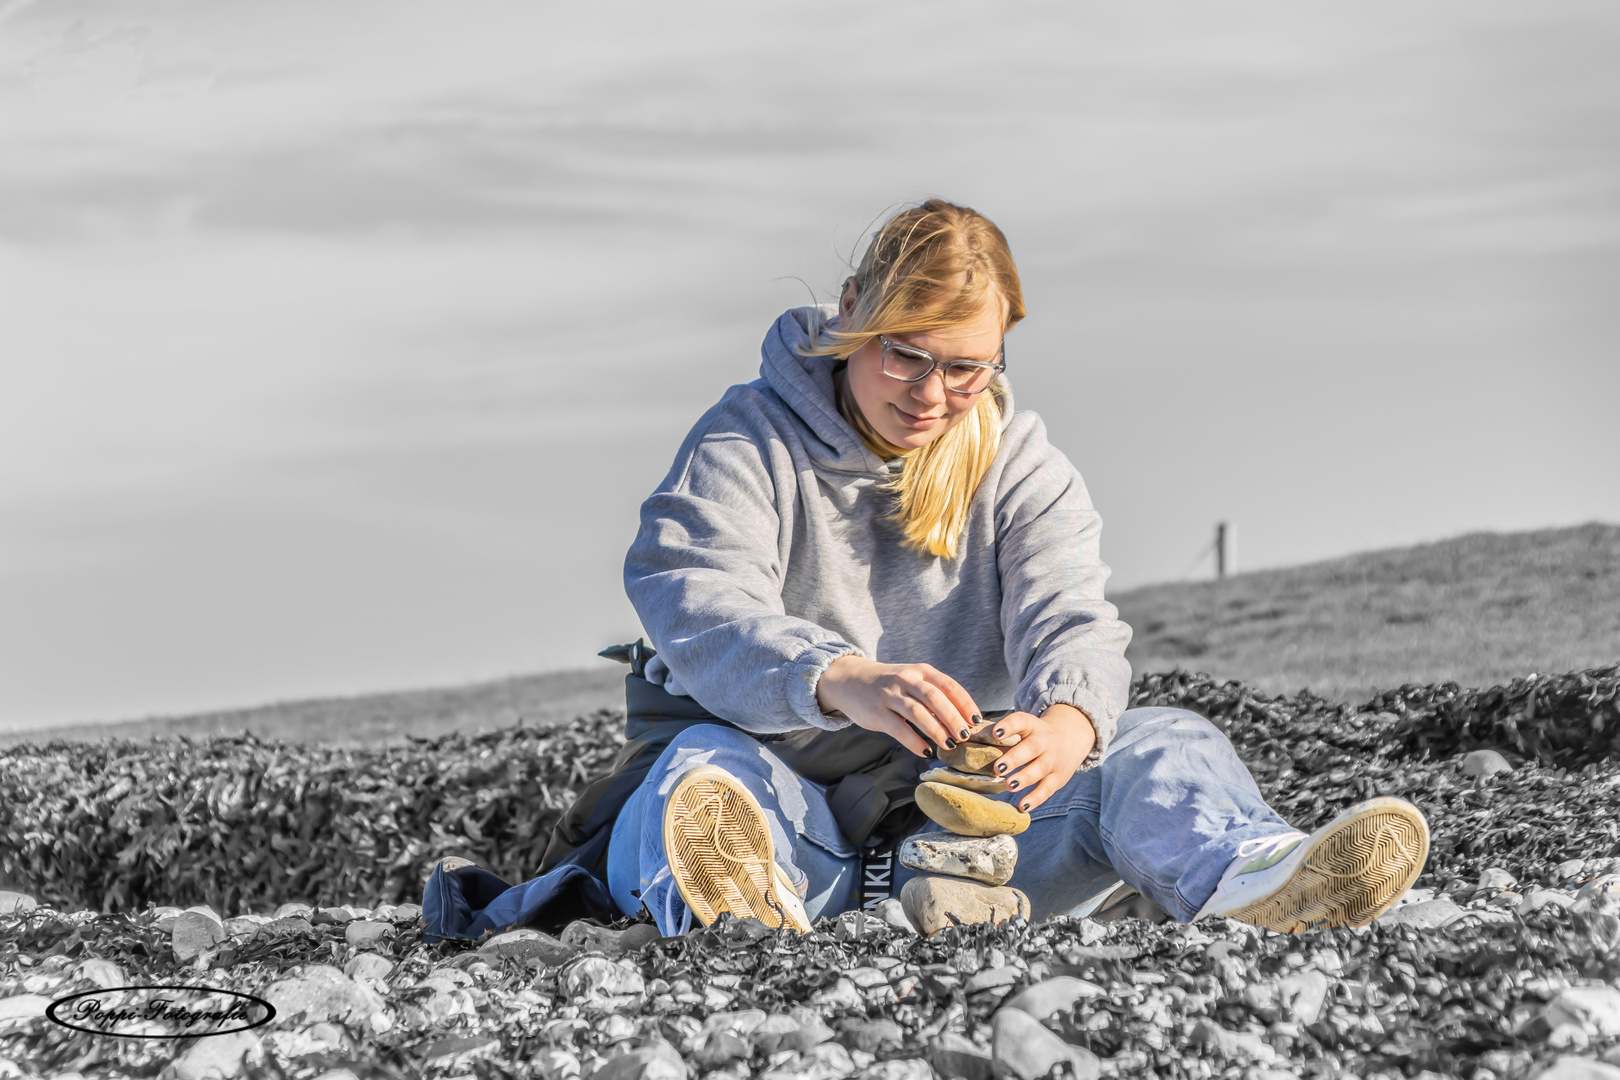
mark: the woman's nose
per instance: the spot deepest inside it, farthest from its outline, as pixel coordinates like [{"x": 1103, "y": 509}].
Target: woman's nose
[{"x": 931, "y": 389}]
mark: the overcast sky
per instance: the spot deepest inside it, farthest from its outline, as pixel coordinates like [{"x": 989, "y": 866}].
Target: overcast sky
[{"x": 339, "y": 343}]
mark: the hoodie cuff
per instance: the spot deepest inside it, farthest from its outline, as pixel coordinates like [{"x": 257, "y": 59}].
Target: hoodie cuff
[
  {"x": 807, "y": 669},
  {"x": 1090, "y": 704}
]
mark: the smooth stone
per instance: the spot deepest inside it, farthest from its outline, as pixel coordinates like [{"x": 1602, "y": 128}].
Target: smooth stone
[
  {"x": 1494, "y": 877},
  {"x": 1236, "y": 1045},
  {"x": 1539, "y": 897},
  {"x": 16, "y": 903},
  {"x": 897, "y": 1069},
  {"x": 525, "y": 944},
  {"x": 826, "y": 1062},
  {"x": 192, "y": 933},
  {"x": 1579, "y": 1068},
  {"x": 1571, "y": 869},
  {"x": 365, "y": 934},
  {"x": 204, "y": 909},
  {"x": 656, "y": 1061},
  {"x": 334, "y": 915},
  {"x": 998, "y": 978},
  {"x": 893, "y": 913},
  {"x": 871, "y": 1036},
  {"x": 596, "y": 976},
  {"x": 970, "y": 757},
  {"x": 615, "y": 943},
  {"x": 1594, "y": 1009},
  {"x": 985, "y": 734},
  {"x": 371, "y": 969},
  {"x": 931, "y": 901},
  {"x": 954, "y": 1055},
  {"x": 1485, "y": 763},
  {"x": 1056, "y": 995},
  {"x": 102, "y": 973},
  {"x": 1427, "y": 915},
  {"x": 969, "y": 814},
  {"x": 322, "y": 993},
  {"x": 990, "y": 859},
  {"x": 984, "y": 785},
  {"x": 407, "y": 913},
  {"x": 1022, "y": 1049},
  {"x": 294, "y": 911},
  {"x": 219, "y": 1057},
  {"x": 555, "y": 1064}
]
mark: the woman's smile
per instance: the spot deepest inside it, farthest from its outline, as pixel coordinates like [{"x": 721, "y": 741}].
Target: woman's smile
[{"x": 921, "y": 423}]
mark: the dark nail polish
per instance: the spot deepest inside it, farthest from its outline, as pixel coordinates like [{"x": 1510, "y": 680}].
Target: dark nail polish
[
  {"x": 977, "y": 719},
  {"x": 1002, "y": 768},
  {"x": 1025, "y": 808},
  {"x": 1001, "y": 733},
  {"x": 928, "y": 751},
  {"x": 964, "y": 734},
  {"x": 1012, "y": 785},
  {"x": 950, "y": 744}
]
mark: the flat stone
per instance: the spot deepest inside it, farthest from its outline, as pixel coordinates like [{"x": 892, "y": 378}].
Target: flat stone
[
  {"x": 323, "y": 993},
  {"x": 291, "y": 926},
  {"x": 204, "y": 909},
  {"x": 219, "y": 1057},
  {"x": 1495, "y": 878},
  {"x": 371, "y": 969},
  {"x": 525, "y": 944},
  {"x": 897, "y": 1069},
  {"x": 931, "y": 901},
  {"x": 1538, "y": 898},
  {"x": 829, "y": 1061},
  {"x": 599, "y": 977},
  {"x": 871, "y": 1036},
  {"x": 590, "y": 937},
  {"x": 22, "y": 1009},
  {"x": 1579, "y": 1068},
  {"x": 100, "y": 973},
  {"x": 990, "y": 859},
  {"x": 555, "y": 1064},
  {"x": 970, "y": 757},
  {"x": 1427, "y": 915},
  {"x": 996, "y": 978},
  {"x": 1594, "y": 1009},
  {"x": 458, "y": 1048},
  {"x": 1296, "y": 998},
  {"x": 984, "y": 785},
  {"x": 717, "y": 1048},
  {"x": 16, "y": 903},
  {"x": 1571, "y": 868},
  {"x": 1237, "y": 1045},
  {"x": 335, "y": 915},
  {"x": 294, "y": 911},
  {"x": 968, "y": 813},
  {"x": 656, "y": 1061},
  {"x": 1056, "y": 995},
  {"x": 985, "y": 734},
  {"x": 893, "y": 913},
  {"x": 192, "y": 933},
  {"x": 798, "y": 1029},
  {"x": 242, "y": 926},
  {"x": 365, "y": 934},
  {"x": 953, "y": 1055},
  {"x": 1485, "y": 763},
  {"x": 407, "y": 913},
  {"x": 1022, "y": 1049}
]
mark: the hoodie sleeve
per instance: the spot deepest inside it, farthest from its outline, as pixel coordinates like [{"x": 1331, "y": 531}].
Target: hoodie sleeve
[
  {"x": 705, "y": 576},
  {"x": 1064, "y": 642}
]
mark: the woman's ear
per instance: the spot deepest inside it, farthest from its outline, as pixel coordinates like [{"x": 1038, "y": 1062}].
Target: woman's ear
[{"x": 847, "y": 304}]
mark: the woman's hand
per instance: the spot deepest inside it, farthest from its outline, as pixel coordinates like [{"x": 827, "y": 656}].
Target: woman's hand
[
  {"x": 913, "y": 703},
  {"x": 1050, "y": 749}
]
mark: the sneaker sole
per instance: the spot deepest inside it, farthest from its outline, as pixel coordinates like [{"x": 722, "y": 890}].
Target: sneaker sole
[
  {"x": 720, "y": 852},
  {"x": 1353, "y": 870}
]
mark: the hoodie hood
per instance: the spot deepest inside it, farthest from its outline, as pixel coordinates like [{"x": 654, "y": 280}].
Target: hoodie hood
[{"x": 805, "y": 384}]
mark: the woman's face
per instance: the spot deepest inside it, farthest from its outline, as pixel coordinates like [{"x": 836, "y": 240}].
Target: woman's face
[{"x": 910, "y": 415}]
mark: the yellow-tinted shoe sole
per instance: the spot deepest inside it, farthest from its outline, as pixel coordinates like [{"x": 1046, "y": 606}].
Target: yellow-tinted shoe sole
[
  {"x": 720, "y": 852},
  {"x": 1354, "y": 870}
]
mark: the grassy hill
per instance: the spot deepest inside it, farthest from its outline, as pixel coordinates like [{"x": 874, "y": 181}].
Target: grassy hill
[{"x": 1478, "y": 609}]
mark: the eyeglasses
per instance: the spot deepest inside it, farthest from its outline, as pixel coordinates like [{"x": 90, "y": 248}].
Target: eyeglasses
[{"x": 909, "y": 364}]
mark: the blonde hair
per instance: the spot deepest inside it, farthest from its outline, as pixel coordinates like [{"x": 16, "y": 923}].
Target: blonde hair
[{"x": 932, "y": 267}]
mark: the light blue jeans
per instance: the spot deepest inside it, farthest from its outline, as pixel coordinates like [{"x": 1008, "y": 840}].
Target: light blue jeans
[{"x": 1164, "y": 811}]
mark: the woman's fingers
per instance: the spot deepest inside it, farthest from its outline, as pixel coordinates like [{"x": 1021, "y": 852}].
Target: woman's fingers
[
  {"x": 1049, "y": 785},
  {"x": 1030, "y": 744},
  {"x": 903, "y": 733},
  {"x": 952, "y": 722},
  {"x": 919, "y": 716},
  {"x": 963, "y": 701}
]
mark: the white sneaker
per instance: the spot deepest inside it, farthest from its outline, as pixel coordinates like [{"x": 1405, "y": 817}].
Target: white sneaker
[
  {"x": 1347, "y": 873},
  {"x": 720, "y": 853}
]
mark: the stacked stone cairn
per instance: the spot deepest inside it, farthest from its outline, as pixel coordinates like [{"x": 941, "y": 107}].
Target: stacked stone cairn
[{"x": 963, "y": 871}]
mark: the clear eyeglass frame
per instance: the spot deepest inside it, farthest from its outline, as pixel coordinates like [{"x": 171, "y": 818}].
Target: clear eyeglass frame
[{"x": 973, "y": 368}]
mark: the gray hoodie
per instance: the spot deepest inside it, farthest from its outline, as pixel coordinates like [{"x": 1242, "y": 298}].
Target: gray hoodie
[{"x": 769, "y": 551}]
